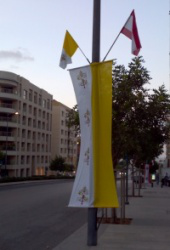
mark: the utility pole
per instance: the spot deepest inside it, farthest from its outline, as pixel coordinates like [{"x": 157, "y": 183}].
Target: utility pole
[
  {"x": 92, "y": 212},
  {"x": 127, "y": 177}
]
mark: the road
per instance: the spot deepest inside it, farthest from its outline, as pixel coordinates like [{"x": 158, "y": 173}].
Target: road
[{"x": 35, "y": 216}]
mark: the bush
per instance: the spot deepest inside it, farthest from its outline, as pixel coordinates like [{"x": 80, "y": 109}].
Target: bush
[
  {"x": 57, "y": 164},
  {"x": 69, "y": 167}
]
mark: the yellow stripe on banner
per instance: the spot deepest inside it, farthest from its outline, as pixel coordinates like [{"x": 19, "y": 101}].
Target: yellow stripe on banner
[
  {"x": 105, "y": 193},
  {"x": 70, "y": 44}
]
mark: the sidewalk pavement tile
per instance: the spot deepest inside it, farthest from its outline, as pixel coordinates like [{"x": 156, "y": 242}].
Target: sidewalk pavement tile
[{"x": 149, "y": 229}]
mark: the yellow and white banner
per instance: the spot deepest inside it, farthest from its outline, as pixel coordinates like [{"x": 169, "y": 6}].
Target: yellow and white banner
[
  {"x": 94, "y": 185},
  {"x": 69, "y": 48}
]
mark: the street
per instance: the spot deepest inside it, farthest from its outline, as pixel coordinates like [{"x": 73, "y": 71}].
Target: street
[{"x": 35, "y": 216}]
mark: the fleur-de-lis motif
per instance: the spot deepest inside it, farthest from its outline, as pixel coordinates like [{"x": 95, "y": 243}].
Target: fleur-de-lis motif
[
  {"x": 87, "y": 156},
  {"x": 87, "y": 117},
  {"x": 82, "y": 77},
  {"x": 83, "y": 195}
]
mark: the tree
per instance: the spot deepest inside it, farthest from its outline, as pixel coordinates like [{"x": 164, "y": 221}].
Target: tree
[
  {"x": 139, "y": 124},
  {"x": 2, "y": 156},
  {"x": 57, "y": 164},
  {"x": 72, "y": 119}
]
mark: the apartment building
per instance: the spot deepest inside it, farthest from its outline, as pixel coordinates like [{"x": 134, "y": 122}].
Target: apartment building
[
  {"x": 64, "y": 140},
  {"x": 25, "y": 126}
]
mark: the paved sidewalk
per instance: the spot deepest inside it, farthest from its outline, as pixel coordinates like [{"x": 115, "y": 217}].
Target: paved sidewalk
[{"x": 149, "y": 229}]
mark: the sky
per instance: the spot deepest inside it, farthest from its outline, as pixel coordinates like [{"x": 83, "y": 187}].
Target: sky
[{"x": 32, "y": 35}]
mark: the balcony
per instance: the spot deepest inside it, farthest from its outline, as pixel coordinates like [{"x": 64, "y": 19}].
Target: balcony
[
  {"x": 4, "y": 135},
  {"x": 7, "y": 108},
  {"x": 11, "y": 150},
  {"x": 12, "y": 121},
  {"x": 8, "y": 93}
]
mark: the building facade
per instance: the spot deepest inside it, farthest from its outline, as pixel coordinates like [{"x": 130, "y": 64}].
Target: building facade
[
  {"x": 25, "y": 126},
  {"x": 64, "y": 140}
]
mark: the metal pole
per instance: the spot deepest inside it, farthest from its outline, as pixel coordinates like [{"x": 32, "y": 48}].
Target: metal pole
[
  {"x": 6, "y": 145},
  {"x": 92, "y": 212},
  {"x": 127, "y": 168},
  {"x": 96, "y": 31}
]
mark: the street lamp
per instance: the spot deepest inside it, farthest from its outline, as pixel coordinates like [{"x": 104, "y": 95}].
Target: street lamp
[{"x": 6, "y": 143}]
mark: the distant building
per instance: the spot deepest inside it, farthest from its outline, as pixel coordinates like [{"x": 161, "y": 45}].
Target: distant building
[
  {"x": 64, "y": 140},
  {"x": 25, "y": 126}
]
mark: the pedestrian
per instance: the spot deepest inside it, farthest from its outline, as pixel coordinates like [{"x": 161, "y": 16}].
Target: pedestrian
[
  {"x": 166, "y": 180},
  {"x": 162, "y": 182},
  {"x": 157, "y": 178}
]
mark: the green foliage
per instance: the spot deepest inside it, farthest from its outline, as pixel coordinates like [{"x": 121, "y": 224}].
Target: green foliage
[
  {"x": 72, "y": 119},
  {"x": 154, "y": 167},
  {"x": 2, "y": 156},
  {"x": 57, "y": 164},
  {"x": 69, "y": 167},
  {"x": 139, "y": 125}
]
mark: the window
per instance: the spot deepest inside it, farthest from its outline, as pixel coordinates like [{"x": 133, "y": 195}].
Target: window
[
  {"x": 39, "y": 124},
  {"x": 29, "y": 122},
  {"x": 29, "y": 134},
  {"x": 30, "y": 109},
  {"x": 35, "y": 97},
  {"x": 34, "y": 123},
  {"x": 34, "y": 136},
  {"x": 44, "y": 114},
  {"x": 44, "y": 103},
  {"x": 33, "y": 147},
  {"x": 39, "y": 136},
  {"x": 35, "y": 112},
  {"x": 38, "y": 147},
  {"x": 48, "y": 103},
  {"x": 23, "y": 133},
  {"x": 23, "y": 146},
  {"x": 24, "y": 107},
  {"x": 43, "y": 125},
  {"x": 38, "y": 159},
  {"x": 30, "y": 95},
  {"x": 28, "y": 159},
  {"x": 24, "y": 120},
  {"x": 22, "y": 159},
  {"x": 28, "y": 147},
  {"x": 40, "y": 100},
  {"x": 24, "y": 94},
  {"x": 46, "y": 138}
]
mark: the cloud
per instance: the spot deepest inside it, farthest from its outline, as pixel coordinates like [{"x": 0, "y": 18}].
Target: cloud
[{"x": 17, "y": 55}]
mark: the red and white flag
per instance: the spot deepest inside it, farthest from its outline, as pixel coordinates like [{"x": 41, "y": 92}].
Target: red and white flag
[{"x": 130, "y": 30}]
